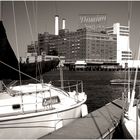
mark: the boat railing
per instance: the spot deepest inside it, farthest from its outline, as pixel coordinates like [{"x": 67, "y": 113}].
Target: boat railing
[
  {"x": 71, "y": 88},
  {"x": 69, "y": 85}
]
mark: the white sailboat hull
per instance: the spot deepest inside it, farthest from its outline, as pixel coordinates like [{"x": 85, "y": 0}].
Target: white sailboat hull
[
  {"x": 37, "y": 125},
  {"x": 129, "y": 126},
  {"x": 126, "y": 133}
]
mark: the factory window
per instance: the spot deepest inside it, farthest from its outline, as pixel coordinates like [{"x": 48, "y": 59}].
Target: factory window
[
  {"x": 127, "y": 59},
  {"x": 102, "y": 37},
  {"x": 97, "y": 37},
  {"x": 124, "y": 28},
  {"x": 110, "y": 28},
  {"x": 97, "y": 40},
  {"x": 124, "y": 34}
]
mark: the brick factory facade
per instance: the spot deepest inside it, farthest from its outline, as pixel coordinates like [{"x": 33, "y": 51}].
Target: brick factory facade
[{"x": 83, "y": 44}]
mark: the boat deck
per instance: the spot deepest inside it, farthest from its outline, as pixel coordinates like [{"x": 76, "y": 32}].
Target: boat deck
[{"x": 97, "y": 124}]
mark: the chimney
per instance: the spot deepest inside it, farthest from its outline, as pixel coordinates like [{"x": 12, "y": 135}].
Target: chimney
[
  {"x": 56, "y": 24},
  {"x": 63, "y": 23}
]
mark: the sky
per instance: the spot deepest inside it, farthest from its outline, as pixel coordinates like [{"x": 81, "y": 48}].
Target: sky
[{"x": 33, "y": 17}]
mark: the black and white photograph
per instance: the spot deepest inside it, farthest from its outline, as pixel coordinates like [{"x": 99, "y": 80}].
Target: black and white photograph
[{"x": 69, "y": 69}]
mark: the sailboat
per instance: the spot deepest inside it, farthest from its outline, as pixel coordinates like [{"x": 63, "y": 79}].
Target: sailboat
[
  {"x": 131, "y": 115},
  {"x": 130, "y": 121},
  {"x": 33, "y": 110}
]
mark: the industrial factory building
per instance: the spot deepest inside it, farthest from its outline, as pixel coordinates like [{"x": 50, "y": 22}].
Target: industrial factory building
[{"x": 108, "y": 46}]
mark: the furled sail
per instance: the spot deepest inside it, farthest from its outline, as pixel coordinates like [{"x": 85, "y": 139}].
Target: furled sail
[
  {"x": 9, "y": 66},
  {"x": 7, "y": 56}
]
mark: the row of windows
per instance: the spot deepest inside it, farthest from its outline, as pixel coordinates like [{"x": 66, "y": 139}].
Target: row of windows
[
  {"x": 127, "y": 58},
  {"x": 102, "y": 48},
  {"x": 109, "y": 28},
  {"x": 102, "y": 45},
  {"x": 72, "y": 41},
  {"x": 101, "y": 56},
  {"x": 124, "y": 34},
  {"x": 102, "y": 42},
  {"x": 126, "y": 55},
  {"x": 124, "y": 28},
  {"x": 124, "y": 31},
  {"x": 101, "y": 38},
  {"x": 126, "y": 52}
]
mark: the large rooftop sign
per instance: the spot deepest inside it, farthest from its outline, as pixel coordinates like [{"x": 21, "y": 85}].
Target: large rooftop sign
[{"x": 96, "y": 22}]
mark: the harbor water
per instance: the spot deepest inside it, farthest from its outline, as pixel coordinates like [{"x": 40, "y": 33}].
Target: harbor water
[{"x": 96, "y": 85}]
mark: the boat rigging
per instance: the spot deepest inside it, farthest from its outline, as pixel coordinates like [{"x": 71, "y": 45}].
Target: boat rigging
[{"x": 35, "y": 109}]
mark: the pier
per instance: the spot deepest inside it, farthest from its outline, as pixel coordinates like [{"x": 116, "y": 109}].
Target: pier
[
  {"x": 98, "y": 67},
  {"x": 100, "y": 123}
]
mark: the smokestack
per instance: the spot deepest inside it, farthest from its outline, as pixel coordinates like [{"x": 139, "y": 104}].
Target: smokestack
[
  {"x": 63, "y": 23},
  {"x": 56, "y": 24}
]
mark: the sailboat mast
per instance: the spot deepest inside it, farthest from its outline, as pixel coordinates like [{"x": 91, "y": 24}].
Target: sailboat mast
[
  {"x": 134, "y": 86},
  {"x": 0, "y": 20},
  {"x": 129, "y": 19},
  {"x": 0, "y": 12},
  {"x": 61, "y": 74},
  {"x": 128, "y": 96}
]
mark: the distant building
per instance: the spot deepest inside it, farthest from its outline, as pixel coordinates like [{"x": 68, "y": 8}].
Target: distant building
[
  {"x": 123, "y": 49},
  {"x": 110, "y": 45},
  {"x": 43, "y": 40},
  {"x": 100, "y": 47},
  {"x": 33, "y": 47},
  {"x": 85, "y": 44}
]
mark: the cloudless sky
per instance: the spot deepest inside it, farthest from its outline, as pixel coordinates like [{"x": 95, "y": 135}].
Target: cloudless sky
[{"x": 116, "y": 11}]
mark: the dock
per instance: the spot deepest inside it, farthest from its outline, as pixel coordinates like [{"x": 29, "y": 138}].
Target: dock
[{"x": 98, "y": 124}]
